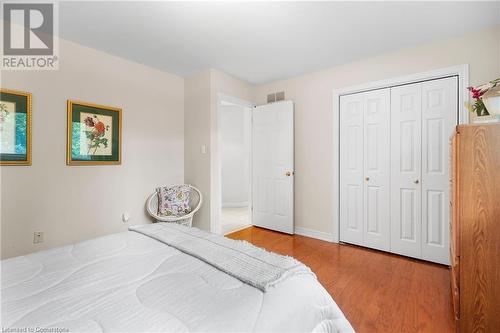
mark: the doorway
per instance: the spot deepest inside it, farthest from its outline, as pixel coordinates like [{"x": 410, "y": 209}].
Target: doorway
[
  {"x": 235, "y": 158},
  {"x": 252, "y": 163}
]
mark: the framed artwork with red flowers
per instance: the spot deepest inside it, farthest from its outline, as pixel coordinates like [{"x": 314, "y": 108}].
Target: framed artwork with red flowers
[
  {"x": 15, "y": 127},
  {"x": 94, "y": 134}
]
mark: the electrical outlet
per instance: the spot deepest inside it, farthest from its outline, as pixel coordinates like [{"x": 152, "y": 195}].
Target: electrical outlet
[
  {"x": 125, "y": 217},
  {"x": 38, "y": 237}
]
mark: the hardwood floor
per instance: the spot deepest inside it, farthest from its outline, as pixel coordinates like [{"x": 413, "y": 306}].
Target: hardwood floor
[{"x": 377, "y": 291}]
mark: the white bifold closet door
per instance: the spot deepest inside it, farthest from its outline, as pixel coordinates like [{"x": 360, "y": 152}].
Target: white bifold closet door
[
  {"x": 423, "y": 118},
  {"x": 365, "y": 169},
  {"x": 439, "y": 119},
  {"x": 406, "y": 194},
  {"x": 394, "y": 168}
]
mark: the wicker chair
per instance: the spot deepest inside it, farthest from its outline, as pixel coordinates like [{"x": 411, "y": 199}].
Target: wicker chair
[{"x": 195, "y": 200}]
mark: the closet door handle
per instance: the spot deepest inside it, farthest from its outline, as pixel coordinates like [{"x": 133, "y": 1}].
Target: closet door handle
[
  {"x": 416, "y": 181},
  {"x": 367, "y": 178}
]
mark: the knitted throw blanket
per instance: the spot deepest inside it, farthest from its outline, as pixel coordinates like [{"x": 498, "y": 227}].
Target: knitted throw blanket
[{"x": 240, "y": 259}]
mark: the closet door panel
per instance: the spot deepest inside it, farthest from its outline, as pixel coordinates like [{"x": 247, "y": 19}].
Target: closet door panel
[
  {"x": 377, "y": 169},
  {"x": 406, "y": 197},
  {"x": 351, "y": 169},
  {"x": 439, "y": 116}
]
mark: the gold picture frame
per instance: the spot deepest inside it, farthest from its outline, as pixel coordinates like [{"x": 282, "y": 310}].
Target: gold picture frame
[
  {"x": 24, "y": 101},
  {"x": 92, "y": 127}
]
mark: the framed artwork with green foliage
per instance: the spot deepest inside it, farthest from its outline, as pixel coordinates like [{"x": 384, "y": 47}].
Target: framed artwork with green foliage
[
  {"x": 15, "y": 127},
  {"x": 94, "y": 134}
]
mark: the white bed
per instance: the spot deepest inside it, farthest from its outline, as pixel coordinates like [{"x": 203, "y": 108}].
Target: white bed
[{"x": 129, "y": 282}]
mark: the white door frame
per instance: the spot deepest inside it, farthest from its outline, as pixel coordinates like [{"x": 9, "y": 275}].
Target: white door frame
[
  {"x": 215, "y": 179},
  {"x": 462, "y": 71}
]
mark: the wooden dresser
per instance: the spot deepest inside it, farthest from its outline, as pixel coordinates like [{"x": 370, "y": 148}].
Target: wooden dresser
[{"x": 475, "y": 227}]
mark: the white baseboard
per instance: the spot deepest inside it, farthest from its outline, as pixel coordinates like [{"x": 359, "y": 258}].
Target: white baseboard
[
  {"x": 238, "y": 229},
  {"x": 234, "y": 204},
  {"x": 325, "y": 236}
]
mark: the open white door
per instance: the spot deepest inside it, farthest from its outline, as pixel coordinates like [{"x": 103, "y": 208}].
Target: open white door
[{"x": 272, "y": 166}]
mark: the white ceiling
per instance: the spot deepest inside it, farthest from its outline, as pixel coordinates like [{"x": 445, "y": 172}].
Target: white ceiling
[{"x": 264, "y": 41}]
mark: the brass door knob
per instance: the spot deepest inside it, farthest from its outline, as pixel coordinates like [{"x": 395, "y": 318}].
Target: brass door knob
[{"x": 288, "y": 173}]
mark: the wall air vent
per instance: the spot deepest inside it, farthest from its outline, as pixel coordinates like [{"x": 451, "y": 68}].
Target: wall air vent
[
  {"x": 271, "y": 98},
  {"x": 276, "y": 97},
  {"x": 280, "y": 96}
]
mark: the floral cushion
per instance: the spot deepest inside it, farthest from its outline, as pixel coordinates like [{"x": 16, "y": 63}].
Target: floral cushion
[{"x": 173, "y": 200}]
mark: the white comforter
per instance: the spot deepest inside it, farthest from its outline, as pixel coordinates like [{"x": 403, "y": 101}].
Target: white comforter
[{"x": 128, "y": 282}]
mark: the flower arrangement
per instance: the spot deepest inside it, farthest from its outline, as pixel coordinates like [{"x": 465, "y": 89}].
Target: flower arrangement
[
  {"x": 477, "y": 94},
  {"x": 95, "y": 134}
]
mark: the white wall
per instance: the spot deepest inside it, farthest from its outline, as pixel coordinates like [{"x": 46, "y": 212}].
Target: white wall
[
  {"x": 312, "y": 94},
  {"x": 235, "y": 155},
  {"x": 70, "y": 204},
  {"x": 196, "y": 134},
  {"x": 74, "y": 203}
]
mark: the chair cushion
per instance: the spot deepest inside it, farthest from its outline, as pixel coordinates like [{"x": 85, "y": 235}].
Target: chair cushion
[{"x": 173, "y": 200}]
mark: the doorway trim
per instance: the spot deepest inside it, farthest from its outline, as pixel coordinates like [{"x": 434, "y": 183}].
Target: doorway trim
[
  {"x": 462, "y": 71},
  {"x": 215, "y": 163}
]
